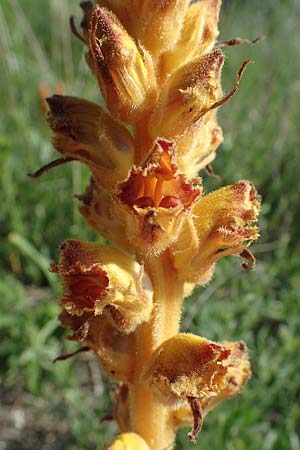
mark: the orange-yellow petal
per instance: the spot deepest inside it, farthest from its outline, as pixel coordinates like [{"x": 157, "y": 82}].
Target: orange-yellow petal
[
  {"x": 238, "y": 373},
  {"x": 191, "y": 370}
]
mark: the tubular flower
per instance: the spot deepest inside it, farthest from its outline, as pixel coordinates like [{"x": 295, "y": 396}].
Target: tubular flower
[
  {"x": 124, "y": 71},
  {"x": 97, "y": 278},
  {"x": 158, "y": 68},
  {"x": 154, "y": 200},
  {"x": 191, "y": 369},
  {"x": 128, "y": 441},
  {"x": 187, "y": 96}
]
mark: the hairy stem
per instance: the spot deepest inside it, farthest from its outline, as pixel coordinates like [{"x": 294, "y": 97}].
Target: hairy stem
[{"x": 149, "y": 417}]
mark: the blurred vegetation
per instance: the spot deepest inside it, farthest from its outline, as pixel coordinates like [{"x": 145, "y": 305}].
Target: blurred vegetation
[{"x": 261, "y": 127}]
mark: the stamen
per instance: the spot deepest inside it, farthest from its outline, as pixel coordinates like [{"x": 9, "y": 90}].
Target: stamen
[
  {"x": 158, "y": 191},
  {"x": 149, "y": 185}
]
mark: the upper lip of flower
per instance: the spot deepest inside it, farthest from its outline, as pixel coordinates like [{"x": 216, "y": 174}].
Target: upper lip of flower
[{"x": 157, "y": 184}]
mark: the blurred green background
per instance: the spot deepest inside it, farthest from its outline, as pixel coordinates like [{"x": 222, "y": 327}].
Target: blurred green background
[{"x": 55, "y": 407}]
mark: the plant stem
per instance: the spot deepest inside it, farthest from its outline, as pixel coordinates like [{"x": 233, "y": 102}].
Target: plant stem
[{"x": 149, "y": 417}]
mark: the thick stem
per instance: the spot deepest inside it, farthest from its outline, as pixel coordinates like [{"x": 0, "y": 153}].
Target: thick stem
[{"x": 149, "y": 417}]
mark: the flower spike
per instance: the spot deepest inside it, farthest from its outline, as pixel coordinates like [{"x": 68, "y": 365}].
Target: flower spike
[
  {"x": 190, "y": 370},
  {"x": 158, "y": 67}
]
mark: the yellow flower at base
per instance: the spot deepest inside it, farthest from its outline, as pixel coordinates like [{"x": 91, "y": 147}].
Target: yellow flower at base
[{"x": 128, "y": 441}]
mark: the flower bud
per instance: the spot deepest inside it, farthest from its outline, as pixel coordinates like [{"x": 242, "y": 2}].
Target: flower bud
[
  {"x": 128, "y": 441},
  {"x": 97, "y": 278},
  {"x": 124, "y": 71},
  {"x": 198, "y": 34},
  {"x": 187, "y": 96},
  {"x": 153, "y": 201},
  {"x": 82, "y": 130},
  {"x": 221, "y": 226}
]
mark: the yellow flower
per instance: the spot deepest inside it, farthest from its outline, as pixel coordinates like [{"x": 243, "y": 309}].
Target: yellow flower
[
  {"x": 154, "y": 200},
  {"x": 188, "y": 369},
  {"x": 84, "y": 131},
  {"x": 124, "y": 71},
  {"x": 128, "y": 441},
  {"x": 97, "y": 278},
  {"x": 221, "y": 225},
  {"x": 187, "y": 96}
]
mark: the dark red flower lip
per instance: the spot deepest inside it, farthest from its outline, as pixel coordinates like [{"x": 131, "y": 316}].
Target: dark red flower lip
[{"x": 157, "y": 184}]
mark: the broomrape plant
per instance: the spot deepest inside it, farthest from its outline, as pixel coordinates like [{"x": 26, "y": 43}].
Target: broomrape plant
[{"x": 158, "y": 67}]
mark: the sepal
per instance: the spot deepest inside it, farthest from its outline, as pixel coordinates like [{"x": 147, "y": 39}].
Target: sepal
[
  {"x": 98, "y": 333},
  {"x": 96, "y": 208}
]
